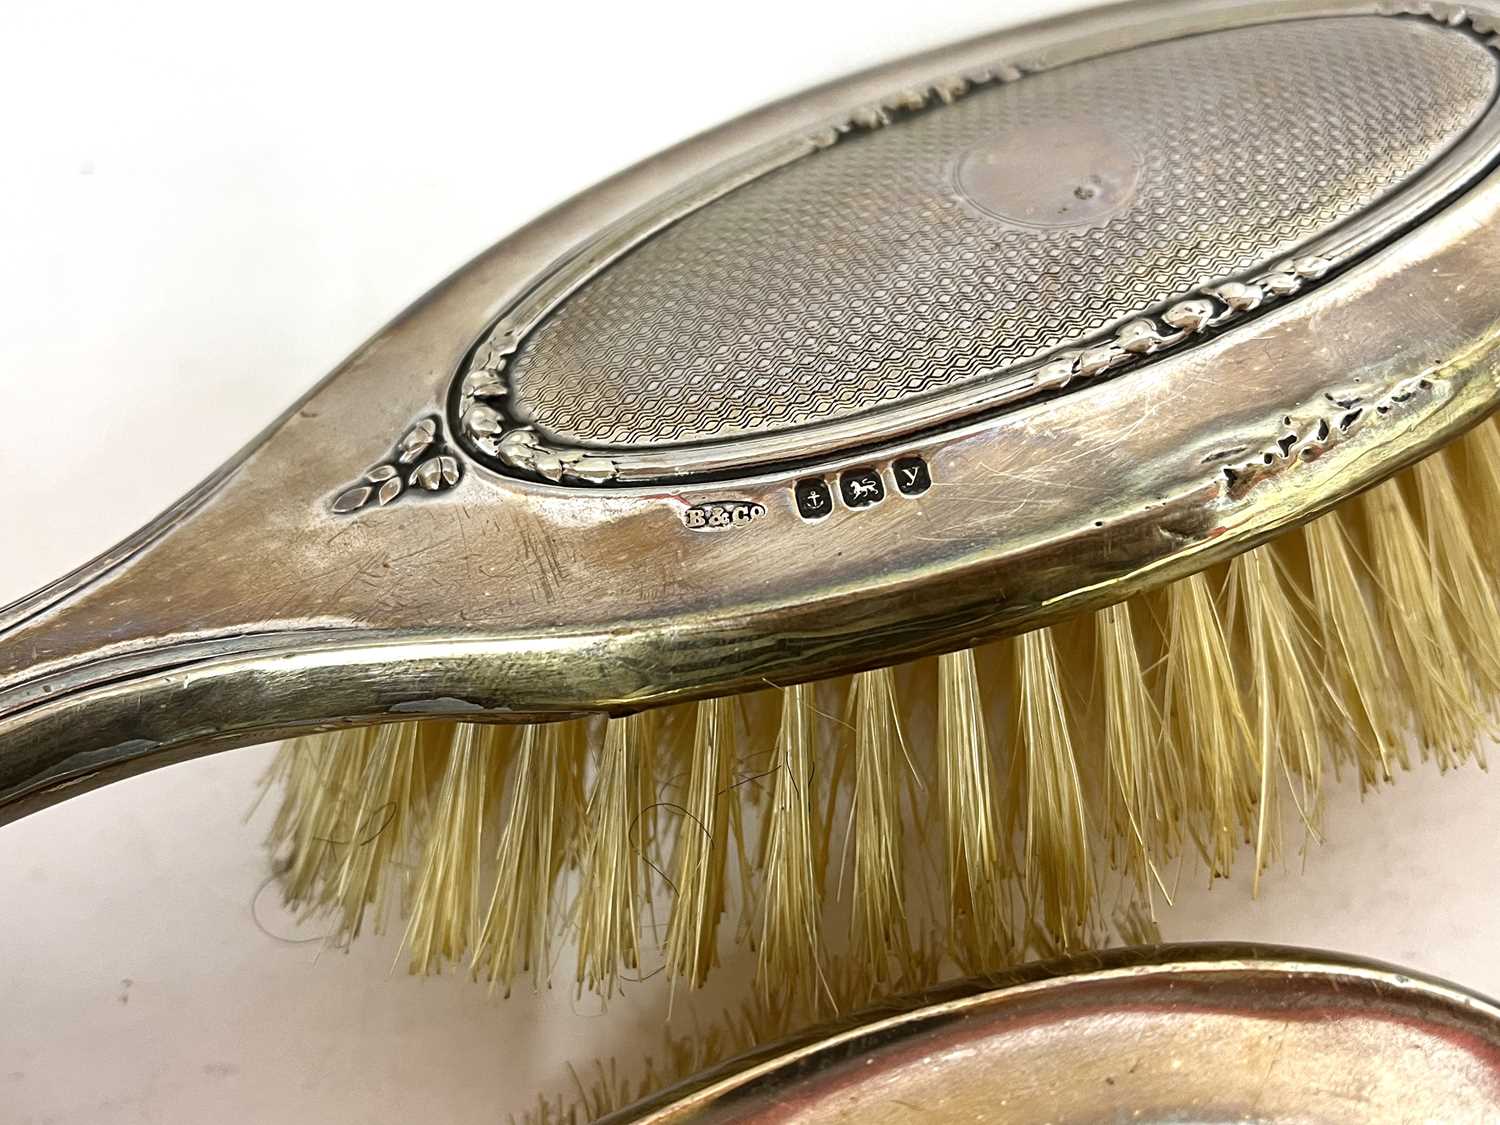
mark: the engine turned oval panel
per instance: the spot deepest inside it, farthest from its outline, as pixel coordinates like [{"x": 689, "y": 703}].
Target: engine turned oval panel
[{"x": 987, "y": 238}]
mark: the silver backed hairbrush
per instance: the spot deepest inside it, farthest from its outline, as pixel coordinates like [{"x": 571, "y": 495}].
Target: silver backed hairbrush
[{"x": 1062, "y": 338}]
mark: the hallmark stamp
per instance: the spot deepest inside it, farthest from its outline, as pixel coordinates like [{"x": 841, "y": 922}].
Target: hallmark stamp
[
  {"x": 862, "y": 487},
  {"x": 814, "y": 498},
  {"x": 721, "y": 515},
  {"x": 912, "y": 476}
]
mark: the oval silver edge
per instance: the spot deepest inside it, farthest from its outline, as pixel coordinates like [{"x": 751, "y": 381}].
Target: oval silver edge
[{"x": 503, "y": 443}]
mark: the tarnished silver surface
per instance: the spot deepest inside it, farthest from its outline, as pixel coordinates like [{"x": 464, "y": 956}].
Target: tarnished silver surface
[
  {"x": 301, "y": 588},
  {"x": 1173, "y": 1034},
  {"x": 939, "y": 251}
]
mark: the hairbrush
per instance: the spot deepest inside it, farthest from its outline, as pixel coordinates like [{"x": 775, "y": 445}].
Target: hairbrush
[{"x": 866, "y": 530}]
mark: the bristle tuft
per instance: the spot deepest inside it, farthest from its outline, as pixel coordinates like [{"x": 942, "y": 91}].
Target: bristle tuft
[
  {"x": 540, "y": 818},
  {"x": 1205, "y": 716},
  {"x": 1147, "y": 793},
  {"x": 389, "y": 813},
  {"x": 791, "y": 942},
  {"x": 1427, "y": 654},
  {"x": 1058, "y": 868},
  {"x": 445, "y": 909},
  {"x": 978, "y": 858},
  {"x": 702, "y": 848},
  {"x": 1477, "y": 458},
  {"x": 878, "y": 937},
  {"x": 613, "y": 885},
  {"x": 320, "y": 775},
  {"x": 1464, "y": 585},
  {"x": 1353, "y": 653},
  {"x": 1279, "y": 678}
]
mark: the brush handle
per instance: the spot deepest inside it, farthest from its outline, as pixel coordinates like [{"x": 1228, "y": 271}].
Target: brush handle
[{"x": 361, "y": 562}]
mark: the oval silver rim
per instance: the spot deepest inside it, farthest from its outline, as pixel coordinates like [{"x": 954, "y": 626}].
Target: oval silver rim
[{"x": 478, "y": 402}]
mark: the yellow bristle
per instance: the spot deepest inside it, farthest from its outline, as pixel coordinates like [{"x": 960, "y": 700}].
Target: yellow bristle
[
  {"x": 612, "y": 888},
  {"x": 386, "y": 821},
  {"x": 1427, "y": 654},
  {"x": 1147, "y": 778},
  {"x": 1477, "y": 458},
  {"x": 1353, "y": 651},
  {"x": 325, "y": 773},
  {"x": 1058, "y": 871},
  {"x": 1468, "y": 598},
  {"x": 791, "y": 932},
  {"x": 1203, "y": 711},
  {"x": 1279, "y": 680},
  {"x": 879, "y": 937},
  {"x": 445, "y": 908},
  {"x": 978, "y": 858},
  {"x": 702, "y": 848},
  {"x": 540, "y": 818}
]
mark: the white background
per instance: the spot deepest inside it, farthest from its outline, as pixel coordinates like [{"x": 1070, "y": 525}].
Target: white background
[{"x": 202, "y": 209}]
